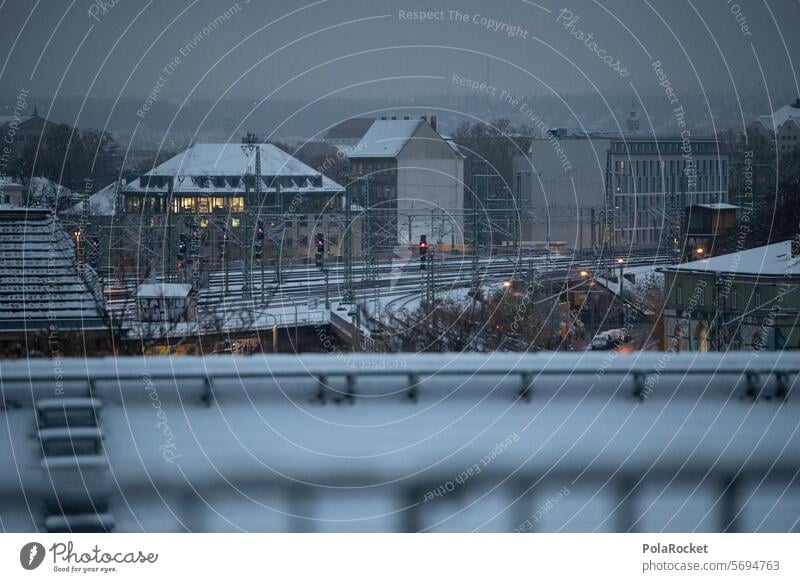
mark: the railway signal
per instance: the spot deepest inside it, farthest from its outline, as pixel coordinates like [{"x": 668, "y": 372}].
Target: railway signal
[
  {"x": 423, "y": 251},
  {"x": 319, "y": 255}
]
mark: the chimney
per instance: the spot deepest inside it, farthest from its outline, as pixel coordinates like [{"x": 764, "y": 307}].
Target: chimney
[{"x": 433, "y": 122}]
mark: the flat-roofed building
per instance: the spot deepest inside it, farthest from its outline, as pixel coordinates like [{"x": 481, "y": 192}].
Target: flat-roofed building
[
  {"x": 739, "y": 301},
  {"x": 584, "y": 189}
]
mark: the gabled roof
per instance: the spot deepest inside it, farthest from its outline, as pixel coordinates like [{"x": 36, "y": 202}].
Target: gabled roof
[
  {"x": 767, "y": 261},
  {"x": 781, "y": 116},
  {"x": 386, "y": 138},
  {"x": 101, "y": 203}
]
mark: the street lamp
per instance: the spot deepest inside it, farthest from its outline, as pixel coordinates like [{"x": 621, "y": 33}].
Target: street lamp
[{"x": 621, "y": 263}]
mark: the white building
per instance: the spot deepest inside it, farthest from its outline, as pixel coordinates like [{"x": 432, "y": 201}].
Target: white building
[
  {"x": 784, "y": 125},
  {"x": 416, "y": 181}
]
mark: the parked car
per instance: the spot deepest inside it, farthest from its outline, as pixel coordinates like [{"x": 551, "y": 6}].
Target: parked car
[
  {"x": 606, "y": 340},
  {"x": 602, "y": 341}
]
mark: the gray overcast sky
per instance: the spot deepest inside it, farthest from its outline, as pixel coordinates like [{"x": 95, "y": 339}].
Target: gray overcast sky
[{"x": 55, "y": 46}]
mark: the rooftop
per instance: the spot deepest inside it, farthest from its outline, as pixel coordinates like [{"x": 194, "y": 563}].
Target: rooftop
[
  {"x": 161, "y": 290},
  {"x": 39, "y": 281},
  {"x": 101, "y": 203},
  {"x": 229, "y": 160},
  {"x": 781, "y": 116},
  {"x": 767, "y": 261},
  {"x": 386, "y": 138}
]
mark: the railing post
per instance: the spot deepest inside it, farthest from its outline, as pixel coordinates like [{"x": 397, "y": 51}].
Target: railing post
[
  {"x": 626, "y": 511},
  {"x": 729, "y": 507},
  {"x": 753, "y": 384},
  {"x": 322, "y": 382},
  {"x": 413, "y": 387},
  {"x": 639, "y": 386},
  {"x": 526, "y": 389}
]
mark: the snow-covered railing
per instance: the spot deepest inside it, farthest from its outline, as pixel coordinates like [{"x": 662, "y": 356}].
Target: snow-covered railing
[
  {"x": 294, "y": 437},
  {"x": 511, "y": 376}
]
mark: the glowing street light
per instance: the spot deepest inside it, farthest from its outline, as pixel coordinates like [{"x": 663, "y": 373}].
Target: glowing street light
[
  {"x": 584, "y": 273},
  {"x": 506, "y": 284}
]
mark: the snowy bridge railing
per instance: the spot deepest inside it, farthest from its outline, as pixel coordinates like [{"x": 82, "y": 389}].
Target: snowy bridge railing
[{"x": 293, "y": 438}]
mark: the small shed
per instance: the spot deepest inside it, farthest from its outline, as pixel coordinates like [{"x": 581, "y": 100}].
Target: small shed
[{"x": 165, "y": 302}]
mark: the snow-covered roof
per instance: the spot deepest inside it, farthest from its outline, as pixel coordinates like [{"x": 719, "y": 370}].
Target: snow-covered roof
[
  {"x": 454, "y": 146},
  {"x": 41, "y": 187},
  {"x": 7, "y": 183},
  {"x": 39, "y": 281},
  {"x": 229, "y": 160},
  {"x": 160, "y": 290},
  {"x": 781, "y": 116},
  {"x": 767, "y": 261},
  {"x": 386, "y": 138},
  {"x": 101, "y": 203}
]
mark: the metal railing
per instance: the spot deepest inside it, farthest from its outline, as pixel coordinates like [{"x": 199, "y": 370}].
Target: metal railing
[{"x": 617, "y": 426}]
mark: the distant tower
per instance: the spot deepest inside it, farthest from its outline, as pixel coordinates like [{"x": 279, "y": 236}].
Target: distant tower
[{"x": 633, "y": 118}]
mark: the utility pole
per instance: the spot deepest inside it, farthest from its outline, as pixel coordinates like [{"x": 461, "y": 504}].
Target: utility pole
[
  {"x": 348, "y": 296},
  {"x": 250, "y": 144},
  {"x": 169, "y": 258},
  {"x": 277, "y": 232},
  {"x": 367, "y": 244},
  {"x": 475, "y": 237}
]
